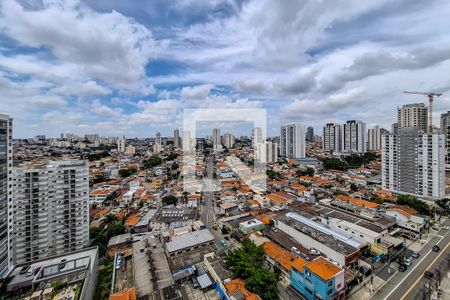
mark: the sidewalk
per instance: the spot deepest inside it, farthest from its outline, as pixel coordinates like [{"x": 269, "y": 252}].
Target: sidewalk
[{"x": 365, "y": 290}]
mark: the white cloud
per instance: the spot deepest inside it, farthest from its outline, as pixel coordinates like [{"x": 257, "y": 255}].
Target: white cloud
[
  {"x": 109, "y": 46},
  {"x": 159, "y": 113},
  {"x": 103, "y": 110},
  {"x": 46, "y": 101},
  {"x": 198, "y": 92},
  {"x": 81, "y": 89}
]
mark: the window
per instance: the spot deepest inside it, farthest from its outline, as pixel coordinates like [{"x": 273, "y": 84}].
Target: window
[
  {"x": 330, "y": 283},
  {"x": 330, "y": 292}
]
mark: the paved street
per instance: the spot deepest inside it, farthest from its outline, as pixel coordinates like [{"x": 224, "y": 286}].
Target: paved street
[{"x": 408, "y": 284}]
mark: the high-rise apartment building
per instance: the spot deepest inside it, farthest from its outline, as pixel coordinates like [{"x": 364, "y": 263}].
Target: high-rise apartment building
[
  {"x": 228, "y": 140},
  {"x": 445, "y": 129},
  {"x": 217, "y": 143},
  {"x": 267, "y": 152},
  {"x": 413, "y": 162},
  {"x": 157, "y": 147},
  {"x": 355, "y": 137},
  {"x": 292, "y": 141},
  {"x": 51, "y": 209},
  {"x": 257, "y": 136},
  {"x": 310, "y": 134},
  {"x": 394, "y": 128},
  {"x": 5, "y": 193},
  {"x": 176, "y": 138},
  {"x": 188, "y": 145},
  {"x": 413, "y": 115},
  {"x": 121, "y": 143},
  {"x": 332, "y": 137},
  {"x": 374, "y": 138}
]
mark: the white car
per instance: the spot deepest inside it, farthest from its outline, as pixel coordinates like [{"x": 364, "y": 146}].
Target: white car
[
  {"x": 407, "y": 262},
  {"x": 314, "y": 251},
  {"x": 295, "y": 250}
]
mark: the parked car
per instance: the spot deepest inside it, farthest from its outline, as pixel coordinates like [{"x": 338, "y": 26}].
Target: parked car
[
  {"x": 402, "y": 268},
  {"x": 428, "y": 275},
  {"x": 62, "y": 264},
  {"x": 314, "y": 251},
  {"x": 407, "y": 261},
  {"x": 436, "y": 248},
  {"x": 295, "y": 250},
  {"x": 415, "y": 254}
]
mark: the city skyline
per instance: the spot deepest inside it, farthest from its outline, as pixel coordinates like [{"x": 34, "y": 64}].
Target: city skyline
[{"x": 63, "y": 81}]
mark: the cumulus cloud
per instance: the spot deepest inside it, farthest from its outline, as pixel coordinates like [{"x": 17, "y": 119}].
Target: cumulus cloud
[
  {"x": 109, "y": 46},
  {"x": 335, "y": 103},
  {"x": 157, "y": 113},
  {"x": 383, "y": 61},
  {"x": 81, "y": 89},
  {"x": 103, "y": 110},
  {"x": 196, "y": 92}
]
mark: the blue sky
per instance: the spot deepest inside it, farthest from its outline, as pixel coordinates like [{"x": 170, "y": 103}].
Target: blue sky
[{"x": 131, "y": 67}]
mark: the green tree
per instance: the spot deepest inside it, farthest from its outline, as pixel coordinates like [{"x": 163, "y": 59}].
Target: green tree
[
  {"x": 126, "y": 172},
  {"x": 334, "y": 163},
  {"x": 353, "y": 187},
  {"x": 306, "y": 172},
  {"x": 247, "y": 262},
  {"x": 264, "y": 283},
  {"x": 171, "y": 156},
  {"x": 153, "y": 161},
  {"x": 272, "y": 174},
  {"x": 411, "y": 201},
  {"x": 169, "y": 200}
]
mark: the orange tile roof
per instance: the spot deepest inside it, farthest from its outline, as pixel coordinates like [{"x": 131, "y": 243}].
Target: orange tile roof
[
  {"x": 132, "y": 220},
  {"x": 283, "y": 257},
  {"x": 299, "y": 263},
  {"x": 127, "y": 294},
  {"x": 238, "y": 285},
  {"x": 404, "y": 210},
  {"x": 284, "y": 196},
  {"x": 100, "y": 192},
  {"x": 299, "y": 187},
  {"x": 278, "y": 182},
  {"x": 323, "y": 268},
  {"x": 102, "y": 212},
  {"x": 254, "y": 202},
  {"x": 357, "y": 201},
  {"x": 275, "y": 198},
  {"x": 265, "y": 219},
  {"x": 245, "y": 190}
]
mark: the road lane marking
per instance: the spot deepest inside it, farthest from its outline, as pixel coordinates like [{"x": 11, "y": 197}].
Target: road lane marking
[
  {"x": 404, "y": 278},
  {"x": 420, "y": 277}
]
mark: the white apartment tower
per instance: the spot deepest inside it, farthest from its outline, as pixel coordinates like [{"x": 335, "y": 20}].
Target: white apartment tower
[
  {"x": 157, "y": 147},
  {"x": 5, "y": 193},
  {"x": 374, "y": 138},
  {"x": 217, "y": 143},
  {"x": 445, "y": 129},
  {"x": 228, "y": 140},
  {"x": 267, "y": 152},
  {"x": 176, "y": 138},
  {"x": 51, "y": 210},
  {"x": 355, "y": 137},
  {"x": 332, "y": 137},
  {"x": 413, "y": 162},
  {"x": 292, "y": 141},
  {"x": 257, "y": 136},
  {"x": 413, "y": 115},
  {"x": 121, "y": 143}
]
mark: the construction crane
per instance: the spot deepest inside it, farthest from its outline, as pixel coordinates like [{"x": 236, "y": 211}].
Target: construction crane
[{"x": 430, "y": 96}]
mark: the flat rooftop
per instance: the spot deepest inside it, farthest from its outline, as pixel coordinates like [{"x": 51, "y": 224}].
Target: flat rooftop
[
  {"x": 320, "y": 233},
  {"x": 377, "y": 224},
  {"x": 189, "y": 240}
]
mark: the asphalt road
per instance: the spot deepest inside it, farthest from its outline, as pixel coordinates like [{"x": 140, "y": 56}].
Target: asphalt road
[{"x": 408, "y": 285}]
